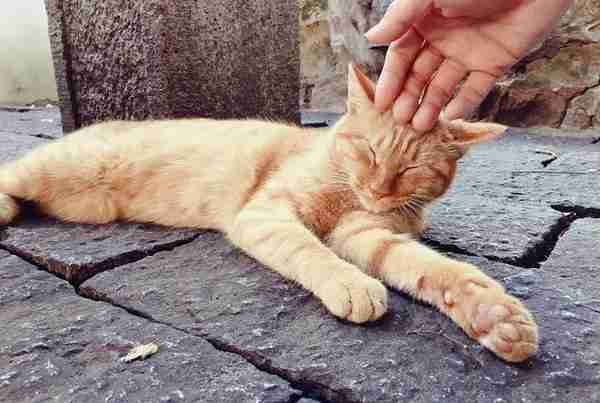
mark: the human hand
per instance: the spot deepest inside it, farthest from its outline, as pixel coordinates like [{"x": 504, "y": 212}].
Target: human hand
[{"x": 436, "y": 44}]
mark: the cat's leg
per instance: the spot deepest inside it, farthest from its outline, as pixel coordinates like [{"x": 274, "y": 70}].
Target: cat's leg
[
  {"x": 476, "y": 302},
  {"x": 275, "y": 237}
]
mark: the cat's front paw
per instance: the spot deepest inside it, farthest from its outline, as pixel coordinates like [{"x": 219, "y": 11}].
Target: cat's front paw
[
  {"x": 354, "y": 296},
  {"x": 497, "y": 320}
]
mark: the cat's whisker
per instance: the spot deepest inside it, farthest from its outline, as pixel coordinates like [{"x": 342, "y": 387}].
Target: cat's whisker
[{"x": 418, "y": 203}]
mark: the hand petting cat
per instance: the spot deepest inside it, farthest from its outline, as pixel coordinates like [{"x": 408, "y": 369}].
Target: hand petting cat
[{"x": 436, "y": 44}]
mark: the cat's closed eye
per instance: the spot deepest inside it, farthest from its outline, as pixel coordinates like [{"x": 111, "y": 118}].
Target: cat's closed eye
[{"x": 407, "y": 168}]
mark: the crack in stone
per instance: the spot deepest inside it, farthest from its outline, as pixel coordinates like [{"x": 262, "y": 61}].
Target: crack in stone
[
  {"x": 40, "y": 136},
  {"x": 579, "y": 211},
  {"x": 445, "y": 247},
  {"x": 572, "y": 98},
  {"x": 536, "y": 254},
  {"x": 76, "y": 274},
  {"x": 310, "y": 389},
  {"x": 36, "y": 135}
]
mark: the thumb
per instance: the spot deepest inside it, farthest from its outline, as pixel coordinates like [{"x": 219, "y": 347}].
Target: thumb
[{"x": 400, "y": 16}]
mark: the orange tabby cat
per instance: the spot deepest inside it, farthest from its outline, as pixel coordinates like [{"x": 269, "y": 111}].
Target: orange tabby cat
[{"x": 304, "y": 203}]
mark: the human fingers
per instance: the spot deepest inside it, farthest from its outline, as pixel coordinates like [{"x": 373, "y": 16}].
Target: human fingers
[
  {"x": 427, "y": 63},
  {"x": 470, "y": 96},
  {"x": 438, "y": 93},
  {"x": 399, "y": 17},
  {"x": 398, "y": 62}
]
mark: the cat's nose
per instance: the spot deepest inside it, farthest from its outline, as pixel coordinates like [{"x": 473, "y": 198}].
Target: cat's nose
[{"x": 380, "y": 193}]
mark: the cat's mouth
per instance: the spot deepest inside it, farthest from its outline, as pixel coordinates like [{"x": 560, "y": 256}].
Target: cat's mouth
[{"x": 376, "y": 206}]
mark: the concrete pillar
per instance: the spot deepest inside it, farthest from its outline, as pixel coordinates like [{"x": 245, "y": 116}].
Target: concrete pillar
[{"x": 139, "y": 59}]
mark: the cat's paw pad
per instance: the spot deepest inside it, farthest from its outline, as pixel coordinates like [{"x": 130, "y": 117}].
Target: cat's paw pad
[
  {"x": 8, "y": 209},
  {"x": 497, "y": 320},
  {"x": 357, "y": 298}
]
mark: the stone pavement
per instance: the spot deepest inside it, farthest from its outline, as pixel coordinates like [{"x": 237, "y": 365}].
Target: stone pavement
[{"x": 74, "y": 299}]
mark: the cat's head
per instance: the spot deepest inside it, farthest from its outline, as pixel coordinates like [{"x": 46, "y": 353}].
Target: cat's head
[{"x": 391, "y": 167}]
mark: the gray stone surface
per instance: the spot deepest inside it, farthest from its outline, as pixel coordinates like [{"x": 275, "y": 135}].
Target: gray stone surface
[
  {"x": 412, "y": 354},
  {"x": 13, "y": 145},
  {"x": 61, "y": 347},
  {"x": 580, "y": 248},
  {"x": 42, "y": 122},
  {"x": 77, "y": 252},
  {"x": 156, "y": 59},
  {"x": 500, "y": 205}
]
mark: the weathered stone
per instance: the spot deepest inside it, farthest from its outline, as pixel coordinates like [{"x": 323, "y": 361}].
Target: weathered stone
[
  {"x": 155, "y": 59},
  {"x": 331, "y": 36},
  {"x": 412, "y": 354},
  {"x": 570, "y": 179},
  {"x": 76, "y": 252},
  {"x": 578, "y": 248},
  {"x": 306, "y": 400},
  {"x": 59, "y": 346},
  {"x": 512, "y": 105},
  {"x": 500, "y": 203},
  {"x": 581, "y": 21},
  {"x": 13, "y": 145},
  {"x": 323, "y": 68},
  {"x": 319, "y": 119},
  {"x": 44, "y": 122},
  {"x": 584, "y": 111},
  {"x": 542, "y": 88},
  {"x": 349, "y": 22},
  {"x": 545, "y": 90}
]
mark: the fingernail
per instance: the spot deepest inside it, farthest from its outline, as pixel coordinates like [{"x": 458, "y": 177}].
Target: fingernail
[{"x": 373, "y": 31}]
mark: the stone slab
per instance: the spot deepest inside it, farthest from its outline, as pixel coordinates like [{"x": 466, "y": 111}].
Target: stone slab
[
  {"x": 58, "y": 346},
  {"x": 314, "y": 118},
  {"x": 500, "y": 204},
  {"x": 412, "y": 354},
  {"x": 44, "y": 122},
  {"x": 578, "y": 248},
  {"x": 154, "y": 59},
  {"x": 571, "y": 178},
  {"x": 14, "y": 145},
  {"x": 76, "y": 252}
]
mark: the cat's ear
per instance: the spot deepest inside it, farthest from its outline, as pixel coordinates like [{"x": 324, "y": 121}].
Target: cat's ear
[
  {"x": 467, "y": 133},
  {"x": 463, "y": 134},
  {"x": 361, "y": 90}
]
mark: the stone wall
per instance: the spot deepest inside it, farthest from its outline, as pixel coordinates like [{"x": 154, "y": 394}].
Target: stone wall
[
  {"x": 141, "y": 59},
  {"x": 556, "y": 85}
]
